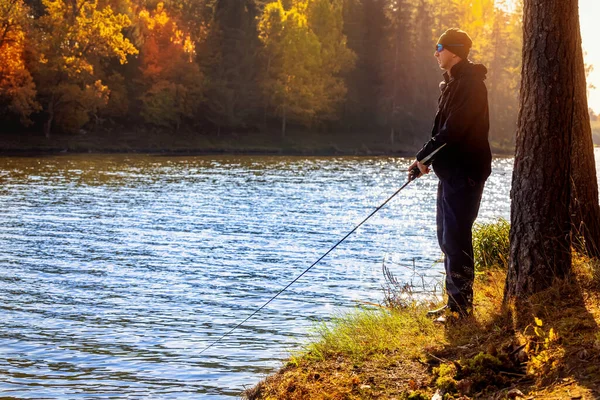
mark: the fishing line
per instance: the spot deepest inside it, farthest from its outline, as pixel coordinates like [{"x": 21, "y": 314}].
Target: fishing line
[{"x": 414, "y": 173}]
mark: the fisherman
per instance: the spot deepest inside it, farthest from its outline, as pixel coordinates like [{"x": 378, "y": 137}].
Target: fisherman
[{"x": 460, "y": 155}]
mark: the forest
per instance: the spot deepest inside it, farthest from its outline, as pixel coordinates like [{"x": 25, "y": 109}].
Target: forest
[{"x": 250, "y": 67}]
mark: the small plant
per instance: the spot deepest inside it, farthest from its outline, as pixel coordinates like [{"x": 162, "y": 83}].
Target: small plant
[
  {"x": 445, "y": 381},
  {"x": 418, "y": 395},
  {"x": 543, "y": 339},
  {"x": 542, "y": 359},
  {"x": 491, "y": 244},
  {"x": 416, "y": 289}
]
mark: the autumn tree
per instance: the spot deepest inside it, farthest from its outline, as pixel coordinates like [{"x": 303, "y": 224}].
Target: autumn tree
[
  {"x": 170, "y": 76},
  {"x": 554, "y": 151},
  {"x": 74, "y": 37},
  {"x": 360, "y": 66},
  {"x": 17, "y": 89}
]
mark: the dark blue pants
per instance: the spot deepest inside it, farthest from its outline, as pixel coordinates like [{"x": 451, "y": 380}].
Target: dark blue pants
[{"x": 458, "y": 202}]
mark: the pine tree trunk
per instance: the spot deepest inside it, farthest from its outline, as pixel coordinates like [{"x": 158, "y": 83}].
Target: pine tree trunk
[
  {"x": 585, "y": 211},
  {"x": 540, "y": 245},
  {"x": 283, "y": 122},
  {"x": 394, "y": 89},
  {"x": 48, "y": 123}
]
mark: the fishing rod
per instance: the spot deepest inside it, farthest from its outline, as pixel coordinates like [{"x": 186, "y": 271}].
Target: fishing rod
[{"x": 413, "y": 174}]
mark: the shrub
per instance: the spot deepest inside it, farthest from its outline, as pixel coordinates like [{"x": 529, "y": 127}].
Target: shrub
[{"x": 491, "y": 245}]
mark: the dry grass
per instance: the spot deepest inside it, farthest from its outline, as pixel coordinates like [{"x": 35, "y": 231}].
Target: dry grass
[{"x": 550, "y": 349}]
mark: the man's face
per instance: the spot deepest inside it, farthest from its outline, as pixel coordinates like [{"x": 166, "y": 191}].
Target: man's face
[{"x": 445, "y": 59}]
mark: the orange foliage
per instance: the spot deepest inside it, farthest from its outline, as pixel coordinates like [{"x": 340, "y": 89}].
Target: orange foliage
[
  {"x": 165, "y": 44},
  {"x": 168, "y": 69},
  {"x": 16, "y": 84}
]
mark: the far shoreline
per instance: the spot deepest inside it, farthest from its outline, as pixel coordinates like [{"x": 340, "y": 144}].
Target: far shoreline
[
  {"x": 299, "y": 143},
  {"x": 211, "y": 152}
]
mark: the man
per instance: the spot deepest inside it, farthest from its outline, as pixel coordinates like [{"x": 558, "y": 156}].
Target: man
[{"x": 460, "y": 154}]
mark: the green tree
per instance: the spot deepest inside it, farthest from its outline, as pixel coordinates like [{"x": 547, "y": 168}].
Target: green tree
[
  {"x": 230, "y": 61},
  {"x": 504, "y": 54},
  {"x": 365, "y": 24},
  {"x": 293, "y": 58},
  {"x": 398, "y": 90},
  {"x": 325, "y": 19},
  {"x": 298, "y": 85},
  {"x": 448, "y": 14},
  {"x": 426, "y": 75}
]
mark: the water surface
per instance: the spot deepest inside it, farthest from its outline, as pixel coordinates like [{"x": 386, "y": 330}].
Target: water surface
[{"x": 117, "y": 270}]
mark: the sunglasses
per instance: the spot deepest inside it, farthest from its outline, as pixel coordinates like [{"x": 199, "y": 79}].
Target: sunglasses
[{"x": 439, "y": 47}]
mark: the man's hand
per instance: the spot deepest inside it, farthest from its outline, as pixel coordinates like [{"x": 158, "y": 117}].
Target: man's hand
[{"x": 423, "y": 169}]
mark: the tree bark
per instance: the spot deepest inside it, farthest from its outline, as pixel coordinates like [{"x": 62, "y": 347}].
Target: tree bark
[
  {"x": 48, "y": 123},
  {"x": 540, "y": 243},
  {"x": 585, "y": 211},
  {"x": 283, "y": 121}
]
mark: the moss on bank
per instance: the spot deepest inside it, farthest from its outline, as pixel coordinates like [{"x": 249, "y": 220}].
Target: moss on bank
[{"x": 549, "y": 350}]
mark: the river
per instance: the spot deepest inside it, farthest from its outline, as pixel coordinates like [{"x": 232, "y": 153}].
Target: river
[{"x": 117, "y": 270}]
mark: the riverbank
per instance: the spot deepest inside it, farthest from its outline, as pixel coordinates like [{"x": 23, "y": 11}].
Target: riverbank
[
  {"x": 188, "y": 143},
  {"x": 549, "y": 350}
]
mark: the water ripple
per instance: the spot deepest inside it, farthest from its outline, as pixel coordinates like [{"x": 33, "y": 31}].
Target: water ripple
[{"x": 116, "y": 271}]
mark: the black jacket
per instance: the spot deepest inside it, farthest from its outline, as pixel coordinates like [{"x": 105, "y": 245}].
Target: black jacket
[{"x": 460, "y": 129}]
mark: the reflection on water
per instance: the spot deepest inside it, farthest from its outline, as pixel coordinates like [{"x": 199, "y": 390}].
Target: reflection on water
[{"x": 116, "y": 271}]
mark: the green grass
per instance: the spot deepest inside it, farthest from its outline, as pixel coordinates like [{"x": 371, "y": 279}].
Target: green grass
[
  {"x": 362, "y": 333},
  {"x": 491, "y": 245},
  {"x": 366, "y": 331}
]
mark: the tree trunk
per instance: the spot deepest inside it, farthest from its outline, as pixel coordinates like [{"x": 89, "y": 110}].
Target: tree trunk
[
  {"x": 394, "y": 89},
  {"x": 540, "y": 243},
  {"x": 585, "y": 211},
  {"x": 493, "y": 74},
  {"x": 48, "y": 123},
  {"x": 283, "y": 121}
]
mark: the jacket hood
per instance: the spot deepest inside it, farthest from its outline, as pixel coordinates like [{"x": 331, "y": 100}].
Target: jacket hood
[
  {"x": 478, "y": 70},
  {"x": 467, "y": 68}
]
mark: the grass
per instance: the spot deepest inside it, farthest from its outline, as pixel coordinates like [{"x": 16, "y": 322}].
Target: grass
[
  {"x": 550, "y": 349},
  {"x": 491, "y": 245}
]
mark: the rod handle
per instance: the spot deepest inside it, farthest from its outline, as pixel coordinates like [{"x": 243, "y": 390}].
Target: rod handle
[{"x": 414, "y": 173}]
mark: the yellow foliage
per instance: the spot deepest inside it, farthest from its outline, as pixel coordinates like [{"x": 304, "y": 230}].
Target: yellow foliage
[
  {"x": 74, "y": 36},
  {"x": 161, "y": 26},
  {"x": 303, "y": 80},
  {"x": 78, "y": 35}
]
